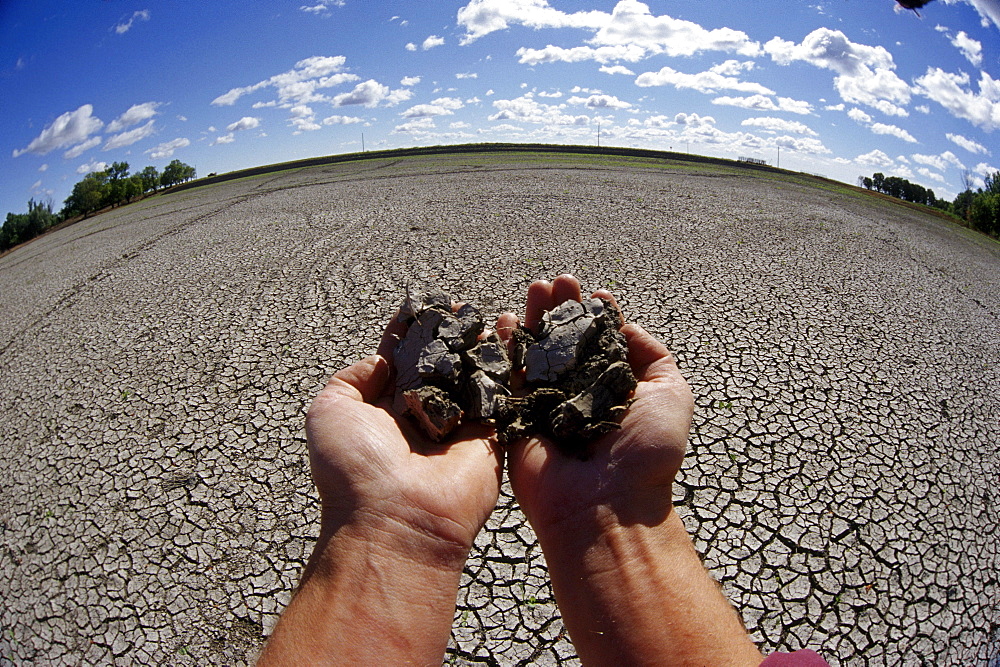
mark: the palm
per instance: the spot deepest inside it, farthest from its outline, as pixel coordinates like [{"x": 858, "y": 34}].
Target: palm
[{"x": 365, "y": 459}]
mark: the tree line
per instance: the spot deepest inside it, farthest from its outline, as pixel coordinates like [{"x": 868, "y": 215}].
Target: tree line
[
  {"x": 979, "y": 208},
  {"x": 98, "y": 190}
]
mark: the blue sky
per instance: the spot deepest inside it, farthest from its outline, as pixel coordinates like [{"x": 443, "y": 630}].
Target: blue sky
[{"x": 839, "y": 87}]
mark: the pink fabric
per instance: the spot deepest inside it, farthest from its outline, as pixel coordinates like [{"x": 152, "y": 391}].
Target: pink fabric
[{"x": 803, "y": 658}]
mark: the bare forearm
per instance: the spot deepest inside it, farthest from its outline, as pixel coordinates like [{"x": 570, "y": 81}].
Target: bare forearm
[
  {"x": 369, "y": 598},
  {"x": 639, "y": 594}
]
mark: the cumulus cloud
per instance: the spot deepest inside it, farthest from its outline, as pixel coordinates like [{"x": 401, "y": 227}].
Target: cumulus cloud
[
  {"x": 91, "y": 167},
  {"x": 989, "y": 10},
  {"x": 342, "y": 120},
  {"x": 370, "y": 94},
  {"x": 952, "y": 92},
  {"x": 970, "y": 48},
  {"x": 135, "y": 115},
  {"x": 927, "y": 173},
  {"x": 763, "y": 103},
  {"x": 298, "y": 85},
  {"x": 466, "y": 75},
  {"x": 527, "y": 109},
  {"x": 80, "y": 149},
  {"x": 415, "y": 126},
  {"x": 864, "y": 73},
  {"x": 630, "y": 24},
  {"x": 779, "y": 125},
  {"x": 408, "y": 81},
  {"x": 321, "y": 6},
  {"x": 124, "y": 26},
  {"x": 603, "y": 54},
  {"x": 705, "y": 82},
  {"x": 245, "y": 123},
  {"x": 939, "y": 162},
  {"x": 859, "y": 116},
  {"x": 72, "y": 127},
  {"x": 431, "y": 42},
  {"x": 167, "y": 148},
  {"x": 600, "y": 102},
  {"x": 410, "y": 46},
  {"x": 443, "y": 106},
  {"x": 967, "y": 144},
  {"x": 892, "y": 130},
  {"x": 129, "y": 137},
  {"x": 224, "y": 139},
  {"x": 616, "y": 69},
  {"x": 875, "y": 158}
]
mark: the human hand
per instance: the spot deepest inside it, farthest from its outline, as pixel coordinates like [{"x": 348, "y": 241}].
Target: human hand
[
  {"x": 629, "y": 474},
  {"x": 373, "y": 468}
]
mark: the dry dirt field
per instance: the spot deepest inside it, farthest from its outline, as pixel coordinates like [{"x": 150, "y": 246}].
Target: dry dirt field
[{"x": 156, "y": 363}]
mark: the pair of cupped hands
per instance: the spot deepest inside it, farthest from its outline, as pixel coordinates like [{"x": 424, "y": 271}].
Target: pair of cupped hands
[{"x": 373, "y": 466}]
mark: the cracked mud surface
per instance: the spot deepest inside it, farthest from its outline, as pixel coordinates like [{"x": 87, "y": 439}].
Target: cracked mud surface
[{"x": 156, "y": 363}]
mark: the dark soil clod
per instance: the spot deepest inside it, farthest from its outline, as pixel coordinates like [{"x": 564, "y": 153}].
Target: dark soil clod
[{"x": 576, "y": 370}]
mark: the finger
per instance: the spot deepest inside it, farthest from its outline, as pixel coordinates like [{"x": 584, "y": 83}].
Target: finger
[
  {"x": 363, "y": 381},
  {"x": 608, "y": 296},
  {"x": 539, "y": 300},
  {"x": 506, "y": 324},
  {"x": 565, "y": 288},
  {"x": 650, "y": 359}
]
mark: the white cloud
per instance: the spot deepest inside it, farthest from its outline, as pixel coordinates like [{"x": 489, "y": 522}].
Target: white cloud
[
  {"x": 91, "y": 167},
  {"x": 864, "y": 73},
  {"x": 167, "y": 148},
  {"x": 459, "y": 125},
  {"x": 370, "y": 93},
  {"x": 527, "y": 109},
  {"x": 72, "y": 127},
  {"x": 939, "y": 162},
  {"x": 342, "y": 120},
  {"x": 629, "y": 24},
  {"x": 321, "y": 6},
  {"x": 705, "y": 82},
  {"x": 135, "y": 115},
  {"x": 431, "y": 42},
  {"x": 859, "y": 116},
  {"x": 600, "y": 102},
  {"x": 616, "y": 69},
  {"x": 834, "y": 107},
  {"x": 408, "y": 81},
  {"x": 130, "y": 137},
  {"x": 44, "y": 167},
  {"x": 124, "y": 26},
  {"x": 576, "y": 54},
  {"x": 779, "y": 125},
  {"x": 466, "y": 75},
  {"x": 410, "y": 46},
  {"x": 876, "y": 158},
  {"x": 80, "y": 149},
  {"x": 892, "y": 130},
  {"x": 762, "y": 103},
  {"x": 989, "y": 10},
  {"x": 555, "y": 95},
  {"x": 245, "y": 123},
  {"x": 967, "y": 144},
  {"x": 922, "y": 108},
  {"x": 415, "y": 126},
  {"x": 224, "y": 139},
  {"x": 972, "y": 49},
  {"x": 951, "y": 91},
  {"x": 443, "y": 106},
  {"x": 927, "y": 173},
  {"x": 297, "y": 85}
]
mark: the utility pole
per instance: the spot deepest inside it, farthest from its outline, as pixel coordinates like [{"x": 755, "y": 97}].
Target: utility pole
[
  {"x": 362, "y": 142},
  {"x": 779, "y": 157},
  {"x": 598, "y": 134}
]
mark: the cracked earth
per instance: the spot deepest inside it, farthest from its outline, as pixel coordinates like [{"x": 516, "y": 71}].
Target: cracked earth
[{"x": 157, "y": 361}]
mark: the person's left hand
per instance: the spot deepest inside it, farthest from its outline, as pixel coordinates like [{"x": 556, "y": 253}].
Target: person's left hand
[{"x": 374, "y": 468}]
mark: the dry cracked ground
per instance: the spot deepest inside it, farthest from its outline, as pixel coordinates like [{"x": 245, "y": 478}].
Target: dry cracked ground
[{"x": 156, "y": 363}]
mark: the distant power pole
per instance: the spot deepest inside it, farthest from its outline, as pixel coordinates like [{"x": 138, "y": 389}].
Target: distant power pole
[
  {"x": 362, "y": 142},
  {"x": 779, "y": 157},
  {"x": 598, "y": 134}
]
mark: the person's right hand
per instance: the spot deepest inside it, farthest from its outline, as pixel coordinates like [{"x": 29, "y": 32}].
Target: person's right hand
[{"x": 629, "y": 473}]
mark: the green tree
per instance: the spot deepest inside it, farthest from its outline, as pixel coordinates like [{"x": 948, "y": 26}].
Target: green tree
[
  {"x": 176, "y": 172},
  {"x": 150, "y": 179},
  {"x": 88, "y": 195},
  {"x": 21, "y": 227}
]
